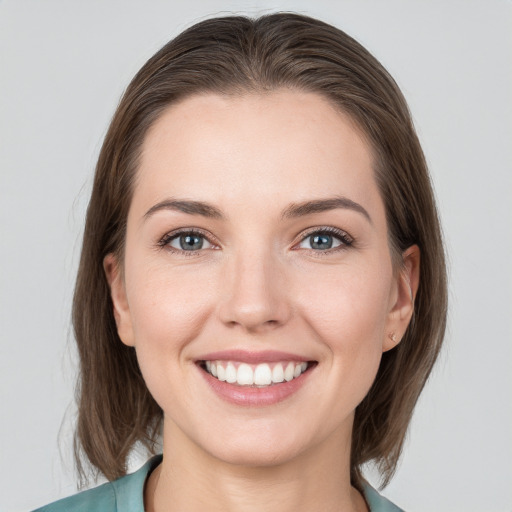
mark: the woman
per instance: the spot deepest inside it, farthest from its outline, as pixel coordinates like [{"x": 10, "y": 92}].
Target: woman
[{"x": 262, "y": 276}]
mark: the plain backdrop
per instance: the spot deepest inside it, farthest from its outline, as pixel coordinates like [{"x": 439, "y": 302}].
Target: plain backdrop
[{"x": 64, "y": 65}]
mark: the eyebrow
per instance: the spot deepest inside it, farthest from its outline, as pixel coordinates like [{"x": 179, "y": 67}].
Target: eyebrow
[
  {"x": 185, "y": 206},
  {"x": 294, "y": 210},
  {"x": 322, "y": 205}
]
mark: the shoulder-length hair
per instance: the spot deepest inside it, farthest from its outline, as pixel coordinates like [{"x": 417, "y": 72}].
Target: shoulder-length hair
[{"x": 237, "y": 55}]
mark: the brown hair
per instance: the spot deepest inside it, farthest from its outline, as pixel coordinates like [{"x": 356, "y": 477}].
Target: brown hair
[{"x": 237, "y": 55}]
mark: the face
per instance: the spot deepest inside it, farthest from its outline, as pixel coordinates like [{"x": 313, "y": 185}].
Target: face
[{"x": 257, "y": 285}]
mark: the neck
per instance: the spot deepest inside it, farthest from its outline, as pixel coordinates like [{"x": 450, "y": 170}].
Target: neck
[{"x": 191, "y": 479}]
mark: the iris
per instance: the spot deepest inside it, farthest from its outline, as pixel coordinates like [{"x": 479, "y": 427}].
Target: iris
[
  {"x": 321, "y": 241},
  {"x": 191, "y": 242}
]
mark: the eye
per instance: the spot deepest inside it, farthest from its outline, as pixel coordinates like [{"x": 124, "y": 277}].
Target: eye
[
  {"x": 189, "y": 241},
  {"x": 325, "y": 239}
]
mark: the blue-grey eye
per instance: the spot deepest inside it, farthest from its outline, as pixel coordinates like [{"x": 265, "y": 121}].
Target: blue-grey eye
[
  {"x": 190, "y": 242},
  {"x": 320, "y": 242}
]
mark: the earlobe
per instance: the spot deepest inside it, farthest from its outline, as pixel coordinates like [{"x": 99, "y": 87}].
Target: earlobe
[
  {"x": 121, "y": 308},
  {"x": 402, "y": 309}
]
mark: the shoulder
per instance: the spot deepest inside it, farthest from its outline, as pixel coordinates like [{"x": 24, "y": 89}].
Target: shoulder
[
  {"x": 378, "y": 503},
  {"x": 125, "y": 494},
  {"x": 100, "y": 499}
]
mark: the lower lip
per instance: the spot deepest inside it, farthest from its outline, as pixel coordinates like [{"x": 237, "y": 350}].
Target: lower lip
[{"x": 254, "y": 396}]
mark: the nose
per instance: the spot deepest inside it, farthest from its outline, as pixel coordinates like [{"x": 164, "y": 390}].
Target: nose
[{"x": 254, "y": 294}]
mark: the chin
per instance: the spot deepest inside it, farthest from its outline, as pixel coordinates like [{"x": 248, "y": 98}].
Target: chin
[
  {"x": 266, "y": 445},
  {"x": 256, "y": 456}
]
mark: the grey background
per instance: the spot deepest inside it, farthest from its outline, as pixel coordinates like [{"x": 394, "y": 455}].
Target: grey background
[{"x": 63, "y": 66}]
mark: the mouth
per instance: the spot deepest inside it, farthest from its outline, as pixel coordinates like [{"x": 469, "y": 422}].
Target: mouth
[
  {"x": 255, "y": 379},
  {"x": 261, "y": 375}
]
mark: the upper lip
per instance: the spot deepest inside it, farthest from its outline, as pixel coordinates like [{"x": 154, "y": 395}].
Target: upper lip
[{"x": 253, "y": 357}]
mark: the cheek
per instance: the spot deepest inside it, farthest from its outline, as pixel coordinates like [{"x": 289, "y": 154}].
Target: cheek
[
  {"x": 349, "y": 303},
  {"x": 168, "y": 311},
  {"x": 166, "y": 306},
  {"x": 347, "y": 311}
]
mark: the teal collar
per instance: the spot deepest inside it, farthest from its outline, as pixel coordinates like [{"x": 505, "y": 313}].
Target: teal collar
[{"x": 129, "y": 490}]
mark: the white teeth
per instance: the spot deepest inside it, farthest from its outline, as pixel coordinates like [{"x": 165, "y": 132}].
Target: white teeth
[
  {"x": 243, "y": 374},
  {"x": 263, "y": 375},
  {"x": 278, "y": 373},
  {"x": 288, "y": 373},
  {"x": 221, "y": 373},
  {"x": 230, "y": 373}
]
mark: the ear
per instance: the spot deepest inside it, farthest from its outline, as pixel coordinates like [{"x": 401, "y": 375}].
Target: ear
[
  {"x": 402, "y": 303},
  {"x": 122, "y": 316}
]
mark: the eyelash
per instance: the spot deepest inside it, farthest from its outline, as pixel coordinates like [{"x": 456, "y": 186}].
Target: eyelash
[
  {"x": 164, "y": 242},
  {"x": 346, "y": 240}
]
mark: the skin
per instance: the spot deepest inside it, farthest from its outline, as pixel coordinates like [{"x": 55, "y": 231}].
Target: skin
[{"x": 258, "y": 284}]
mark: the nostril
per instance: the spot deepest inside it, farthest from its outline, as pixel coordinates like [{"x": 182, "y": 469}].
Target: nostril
[{"x": 253, "y": 322}]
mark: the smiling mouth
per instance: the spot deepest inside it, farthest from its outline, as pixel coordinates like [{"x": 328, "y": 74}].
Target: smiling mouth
[{"x": 256, "y": 375}]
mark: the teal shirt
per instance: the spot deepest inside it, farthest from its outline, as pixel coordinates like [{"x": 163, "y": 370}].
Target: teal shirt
[{"x": 127, "y": 495}]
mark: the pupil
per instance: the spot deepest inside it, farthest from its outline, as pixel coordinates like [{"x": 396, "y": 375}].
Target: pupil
[
  {"x": 191, "y": 242},
  {"x": 321, "y": 241}
]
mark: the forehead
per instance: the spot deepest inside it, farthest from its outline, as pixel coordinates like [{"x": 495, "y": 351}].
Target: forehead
[{"x": 284, "y": 145}]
